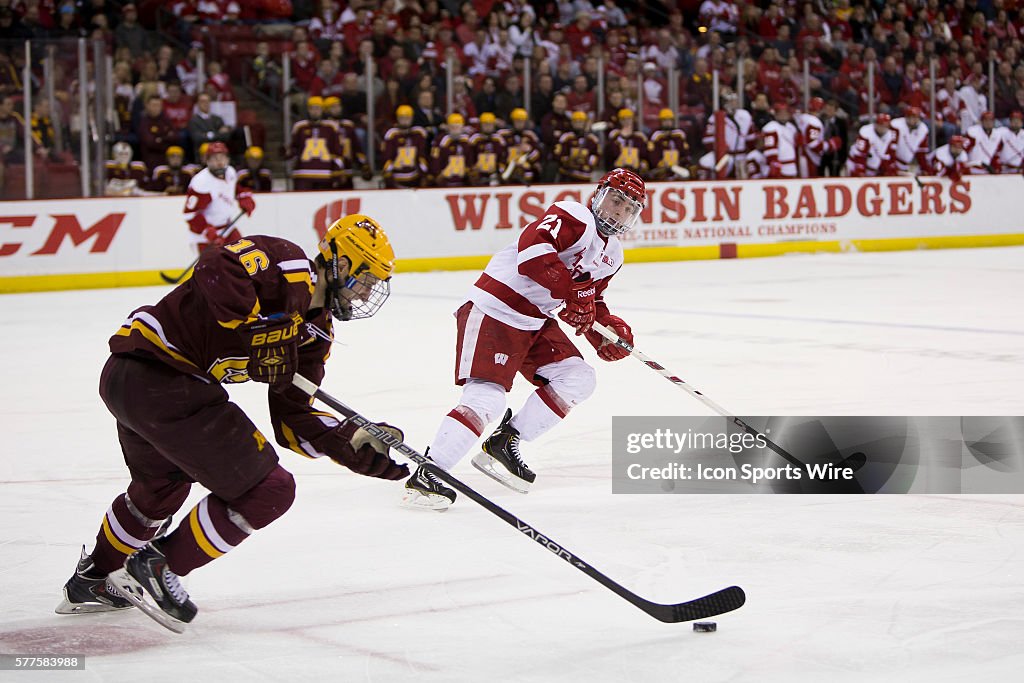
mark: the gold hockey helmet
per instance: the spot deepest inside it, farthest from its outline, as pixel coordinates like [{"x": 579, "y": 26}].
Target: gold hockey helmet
[{"x": 363, "y": 290}]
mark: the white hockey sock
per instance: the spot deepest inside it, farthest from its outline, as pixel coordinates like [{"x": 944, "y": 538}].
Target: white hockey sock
[
  {"x": 538, "y": 415},
  {"x": 452, "y": 442}
]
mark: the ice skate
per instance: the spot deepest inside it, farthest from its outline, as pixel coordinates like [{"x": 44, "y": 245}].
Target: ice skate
[
  {"x": 425, "y": 491},
  {"x": 500, "y": 460},
  {"x": 87, "y": 591},
  {"x": 150, "y": 585}
]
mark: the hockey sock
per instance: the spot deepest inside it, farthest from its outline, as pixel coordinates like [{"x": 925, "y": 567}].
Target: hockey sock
[
  {"x": 123, "y": 531},
  {"x": 210, "y": 530},
  {"x": 542, "y": 410},
  {"x": 458, "y": 432}
]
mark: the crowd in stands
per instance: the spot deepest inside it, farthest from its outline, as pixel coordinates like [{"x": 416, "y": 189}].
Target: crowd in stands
[{"x": 820, "y": 87}]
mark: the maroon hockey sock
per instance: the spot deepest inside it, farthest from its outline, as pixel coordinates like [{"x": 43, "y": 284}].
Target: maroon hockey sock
[
  {"x": 210, "y": 530},
  {"x": 123, "y": 531}
]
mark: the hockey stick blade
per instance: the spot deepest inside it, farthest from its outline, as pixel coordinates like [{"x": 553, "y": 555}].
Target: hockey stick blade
[{"x": 720, "y": 602}]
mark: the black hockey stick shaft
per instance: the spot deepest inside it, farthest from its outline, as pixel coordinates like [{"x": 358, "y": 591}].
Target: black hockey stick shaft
[
  {"x": 220, "y": 233},
  {"x": 709, "y": 605}
]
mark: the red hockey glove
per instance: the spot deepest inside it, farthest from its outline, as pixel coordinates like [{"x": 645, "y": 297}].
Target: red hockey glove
[
  {"x": 579, "y": 308},
  {"x": 273, "y": 348},
  {"x": 247, "y": 203},
  {"x": 835, "y": 143},
  {"x": 214, "y": 237},
  {"x": 774, "y": 170},
  {"x": 798, "y": 139},
  {"x": 364, "y": 452},
  {"x": 607, "y": 350},
  {"x": 996, "y": 166}
]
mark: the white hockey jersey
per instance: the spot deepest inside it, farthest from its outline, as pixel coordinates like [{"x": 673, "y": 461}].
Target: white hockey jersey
[
  {"x": 814, "y": 145},
  {"x": 911, "y": 144},
  {"x": 739, "y": 132},
  {"x": 781, "y": 149},
  {"x": 871, "y": 152},
  {"x": 984, "y": 146},
  {"x": 1011, "y": 153},
  {"x": 944, "y": 164},
  {"x": 563, "y": 243},
  {"x": 757, "y": 164},
  {"x": 212, "y": 198}
]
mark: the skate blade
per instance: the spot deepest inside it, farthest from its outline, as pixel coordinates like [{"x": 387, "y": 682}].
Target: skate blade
[
  {"x": 68, "y": 607},
  {"x": 131, "y": 590},
  {"x": 417, "y": 500},
  {"x": 493, "y": 469}
]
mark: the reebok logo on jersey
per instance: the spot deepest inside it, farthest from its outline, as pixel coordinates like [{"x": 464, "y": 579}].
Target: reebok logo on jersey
[{"x": 500, "y": 358}]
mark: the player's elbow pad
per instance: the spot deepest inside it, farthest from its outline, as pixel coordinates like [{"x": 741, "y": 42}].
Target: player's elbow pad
[{"x": 549, "y": 272}]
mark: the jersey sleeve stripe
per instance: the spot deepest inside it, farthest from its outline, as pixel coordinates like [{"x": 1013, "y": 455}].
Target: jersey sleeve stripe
[
  {"x": 294, "y": 264},
  {"x": 508, "y": 296},
  {"x": 533, "y": 251}
]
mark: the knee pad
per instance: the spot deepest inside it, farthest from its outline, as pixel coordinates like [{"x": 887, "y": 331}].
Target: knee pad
[
  {"x": 572, "y": 379},
  {"x": 486, "y": 399},
  {"x": 268, "y": 500}
]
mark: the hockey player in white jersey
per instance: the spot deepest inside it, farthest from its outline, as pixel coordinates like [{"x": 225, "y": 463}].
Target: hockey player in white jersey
[
  {"x": 757, "y": 163},
  {"x": 812, "y": 132},
  {"x": 739, "y": 137},
  {"x": 508, "y": 325},
  {"x": 983, "y": 143},
  {"x": 874, "y": 152},
  {"x": 1011, "y": 153},
  {"x": 911, "y": 141},
  {"x": 782, "y": 144},
  {"x": 211, "y": 198},
  {"x": 951, "y": 160}
]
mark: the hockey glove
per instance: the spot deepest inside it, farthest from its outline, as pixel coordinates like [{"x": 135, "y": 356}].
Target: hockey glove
[
  {"x": 246, "y": 202},
  {"x": 273, "y": 348},
  {"x": 213, "y": 236},
  {"x": 607, "y": 350},
  {"x": 580, "y": 310},
  {"x": 364, "y": 452}
]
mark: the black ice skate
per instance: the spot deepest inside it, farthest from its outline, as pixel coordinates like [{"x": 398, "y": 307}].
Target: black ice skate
[
  {"x": 150, "y": 585},
  {"x": 87, "y": 591},
  {"x": 500, "y": 458},
  {"x": 425, "y": 491}
]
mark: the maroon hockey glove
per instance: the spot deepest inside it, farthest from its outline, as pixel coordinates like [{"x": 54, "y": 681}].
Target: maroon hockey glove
[
  {"x": 364, "y": 451},
  {"x": 607, "y": 350},
  {"x": 273, "y": 348},
  {"x": 579, "y": 308},
  {"x": 246, "y": 202}
]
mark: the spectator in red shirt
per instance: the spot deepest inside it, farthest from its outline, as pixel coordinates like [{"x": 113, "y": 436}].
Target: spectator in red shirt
[
  {"x": 304, "y": 62},
  {"x": 580, "y": 35},
  {"x": 177, "y": 106},
  {"x": 581, "y": 98}
]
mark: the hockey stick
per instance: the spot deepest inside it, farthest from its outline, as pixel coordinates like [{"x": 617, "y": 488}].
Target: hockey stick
[
  {"x": 722, "y": 161},
  {"x": 854, "y": 461},
  {"x": 221, "y": 233},
  {"x": 709, "y": 605},
  {"x": 680, "y": 171},
  {"x": 917, "y": 178}
]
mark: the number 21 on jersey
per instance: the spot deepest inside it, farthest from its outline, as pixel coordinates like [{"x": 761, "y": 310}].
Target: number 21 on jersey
[{"x": 552, "y": 224}]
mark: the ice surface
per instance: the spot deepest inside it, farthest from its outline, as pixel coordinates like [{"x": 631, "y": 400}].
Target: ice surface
[{"x": 348, "y": 586}]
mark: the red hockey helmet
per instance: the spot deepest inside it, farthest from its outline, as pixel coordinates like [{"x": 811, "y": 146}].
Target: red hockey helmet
[
  {"x": 914, "y": 111},
  {"x": 618, "y": 202},
  {"x": 815, "y": 105},
  {"x": 883, "y": 119},
  {"x": 988, "y": 116},
  {"x": 1017, "y": 114},
  {"x": 958, "y": 140},
  {"x": 216, "y": 148}
]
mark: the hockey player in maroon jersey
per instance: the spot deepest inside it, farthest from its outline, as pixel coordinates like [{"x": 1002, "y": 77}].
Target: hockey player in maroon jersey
[
  {"x": 405, "y": 152},
  {"x": 315, "y": 149},
  {"x": 577, "y": 151},
  {"x": 488, "y": 150},
  {"x": 255, "y": 177},
  {"x": 254, "y": 309},
  {"x": 352, "y": 157},
  {"x": 508, "y": 326},
  {"x": 124, "y": 176},
  {"x": 452, "y": 157},
  {"x": 668, "y": 147},
  {"x": 211, "y": 198},
  {"x": 172, "y": 178},
  {"x": 626, "y": 146},
  {"x": 523, "y": 150}
]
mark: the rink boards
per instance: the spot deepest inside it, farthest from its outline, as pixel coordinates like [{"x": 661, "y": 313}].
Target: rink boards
[{"x": 83, "y": 243}]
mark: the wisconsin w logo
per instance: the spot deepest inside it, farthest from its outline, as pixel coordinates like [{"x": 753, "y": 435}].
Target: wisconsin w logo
[
  {"x": 328, "y": 213},
  {"x": 500, "y": 358}
]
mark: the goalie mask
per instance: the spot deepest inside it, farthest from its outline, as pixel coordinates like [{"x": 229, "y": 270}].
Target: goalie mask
[
  {"x": 618, "y": 202},
  {"x": 363, "y": 289}
]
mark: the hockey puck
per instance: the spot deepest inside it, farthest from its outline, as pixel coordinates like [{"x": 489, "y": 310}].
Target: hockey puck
[{"x": 705, "y": 626}]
